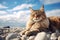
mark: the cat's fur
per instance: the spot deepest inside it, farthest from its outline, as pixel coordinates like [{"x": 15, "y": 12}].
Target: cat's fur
[
  {"x": 54, "y": 23},
  {"x": 37, "y": 22}
]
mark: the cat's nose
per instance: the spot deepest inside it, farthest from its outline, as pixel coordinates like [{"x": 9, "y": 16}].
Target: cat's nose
[{"x": 36, "y": 16}]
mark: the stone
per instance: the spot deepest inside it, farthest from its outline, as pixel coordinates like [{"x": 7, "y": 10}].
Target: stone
[
  {"x": 59, "y": 38},
  {"x": 53, "y": 36},
  {"x": 1, "y": 38},
  {"x": 12, "y": 36},
  {"x": 41, "y": 36},
  {"x": 24, "y": 37},
  {"x": 16, "y": 39},
  {"x": 48, "y": 36}
]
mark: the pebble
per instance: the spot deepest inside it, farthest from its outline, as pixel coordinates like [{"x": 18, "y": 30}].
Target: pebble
[{"x": 41, "y": 36}]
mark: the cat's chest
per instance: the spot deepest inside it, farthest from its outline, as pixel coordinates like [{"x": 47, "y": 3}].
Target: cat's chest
[
  {"x": 42, "y": 24},
  {"x": 36, "y": 25}
]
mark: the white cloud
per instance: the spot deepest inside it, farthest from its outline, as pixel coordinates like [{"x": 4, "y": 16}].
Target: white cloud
[
  {"x": 3, "y": 12},
  {"x": 19, "y": 7},
  {"x": 16, "y": 19},
  {"x": 55, "y": 12},
  {"x": 16, "y": 16},
  {"x": 50, "y": 1},
  {"x": 23, "y": 15},
  {"x": 2, "y": 6}
]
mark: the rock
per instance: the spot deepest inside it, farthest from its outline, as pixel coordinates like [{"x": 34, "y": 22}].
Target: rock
[
  {"x": 53, "y": 36},
  {"x": 16, "y": 29},
  {"x": 6, "y": 27},
  {"x": 59, "y": 38},
  {"x": 31, "y": 38},
  {"x": 48, "y": 36},
  {"x": 24, "y": 37},
  {"x": 1, "y": 38},
  {"x": 41, "y": 36},
  {"x": 12, "y": 36},
  {"x": 16, "y": 39}
]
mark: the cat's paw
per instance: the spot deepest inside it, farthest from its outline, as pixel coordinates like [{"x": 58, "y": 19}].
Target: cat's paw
[
  {"x": 22, "y": 33},
  {"x": 31, "y": 33}
]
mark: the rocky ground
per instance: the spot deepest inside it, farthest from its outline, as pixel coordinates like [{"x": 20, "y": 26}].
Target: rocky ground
[{"x": 14, "y": 34}]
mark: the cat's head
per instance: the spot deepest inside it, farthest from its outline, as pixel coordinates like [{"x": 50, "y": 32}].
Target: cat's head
[{"x": 37, "y": 15}]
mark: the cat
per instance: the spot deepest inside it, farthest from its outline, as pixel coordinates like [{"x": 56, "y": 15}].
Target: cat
[
  {"x": 37, "y": 22},
  {"x": 54, "y": 23}
]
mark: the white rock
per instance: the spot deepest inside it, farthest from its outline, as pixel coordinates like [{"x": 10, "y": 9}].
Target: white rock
[
  {"x": 24, "y": 37},
  {"x": 59, "y": 38},
  {"x": 15, "y": 39},
  {"x": 12, "y": 36},
  {"x": 53, "y": 36},
  {"x": 48, "y": 36},
  {"x": 41, "y": 36},
  {"x": 16, "y": 29}
]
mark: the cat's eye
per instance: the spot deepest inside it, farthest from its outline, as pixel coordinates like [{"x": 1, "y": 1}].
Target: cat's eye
[{"x": 32, "y": 15}]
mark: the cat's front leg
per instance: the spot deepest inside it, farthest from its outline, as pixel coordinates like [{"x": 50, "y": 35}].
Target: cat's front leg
[
  {"x": 31, "y": 32},
  {"x": 23, "y": 32},
  {"x": 28, "y": 27}
]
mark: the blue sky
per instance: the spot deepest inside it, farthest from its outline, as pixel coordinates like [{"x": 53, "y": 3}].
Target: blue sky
[{"x": 15, "y": 13}]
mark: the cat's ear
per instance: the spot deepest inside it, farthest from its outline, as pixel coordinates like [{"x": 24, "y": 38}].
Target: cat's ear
[
  {"x": 42, "y": 8},
  {"x": 31, "y": 9}
]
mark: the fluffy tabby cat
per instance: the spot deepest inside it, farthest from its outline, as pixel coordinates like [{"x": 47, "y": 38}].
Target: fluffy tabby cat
[{"x": 37, "y": 22}]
